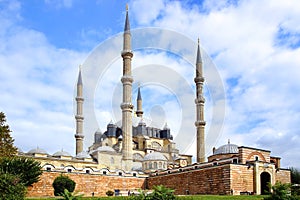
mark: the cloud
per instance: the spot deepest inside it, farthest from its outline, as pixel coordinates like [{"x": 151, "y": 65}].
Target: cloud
[
  {"x": 256, "y": 53},
  {"x": 59, "y": 3}
]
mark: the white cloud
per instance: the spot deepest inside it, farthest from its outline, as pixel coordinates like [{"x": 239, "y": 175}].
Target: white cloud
[{"x": 260, "y": 74}]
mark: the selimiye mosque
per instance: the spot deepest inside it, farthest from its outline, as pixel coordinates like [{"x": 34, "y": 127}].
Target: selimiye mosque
[{"x": 138, "y": 150}]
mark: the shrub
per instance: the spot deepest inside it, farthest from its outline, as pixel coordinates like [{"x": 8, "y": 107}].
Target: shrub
[
  {"x": 27, "y": 169},
  {"x": 11, "y": 187},
  {"x": 61, "y": 183},
  {"x": 109, "y": 193},
  {"x": 281, "y": 192},
  {"x": 160, "y": 192},
  {"x": 70, "y": 196}
]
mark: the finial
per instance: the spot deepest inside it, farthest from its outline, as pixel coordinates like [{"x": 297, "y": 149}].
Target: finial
[
  {"x": 198, "y": 41},
  {"x": 126, "y": 6},
  {"x": 228, "y": 141}
]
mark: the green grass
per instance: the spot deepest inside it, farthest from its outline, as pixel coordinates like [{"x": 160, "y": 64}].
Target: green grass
[{"x": 192, "y": 197}]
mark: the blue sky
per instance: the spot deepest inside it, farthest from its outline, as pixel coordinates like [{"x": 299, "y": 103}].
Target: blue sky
[{"x": 254, "y": 46}]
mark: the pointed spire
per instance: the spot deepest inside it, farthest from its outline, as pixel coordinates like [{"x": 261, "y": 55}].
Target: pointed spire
[
  {"x": 199, "y": 59},
  {"x": 127, "y": 25},
  {"x": 79, "y": 81},
  {"x": 139, "y": 96}
]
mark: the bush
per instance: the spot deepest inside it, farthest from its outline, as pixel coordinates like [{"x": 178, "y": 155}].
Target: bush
[
  {"x": 11, "y": 187},
  {"x": 109, "y": 193},
  {"x": 281, "y": 192},
  {"x": 61, "y": 183},
  {"x": 70, "y": 196},
  {"x": 27, "y": 169}
]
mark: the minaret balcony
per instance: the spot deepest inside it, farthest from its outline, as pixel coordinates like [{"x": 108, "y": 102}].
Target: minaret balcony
[
  {"x": 127, "y": 53},
  {"x": 79, "y": 136},
  {"x": 199, "y": 79},
  {"x": 200, "y": 100},
  {"x": 79, "y": 117},
  {"x": 127, "y": 79},
  {"x": 126, "y": 106},
  {"x": 200, "y": 123}
]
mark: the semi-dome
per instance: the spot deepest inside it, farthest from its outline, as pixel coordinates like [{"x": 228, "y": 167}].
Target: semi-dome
[
  {"x": 226, "y": 149},
  {"x": 61, "y": 153},
  {"x": 137, "y": 166},
  {"x": 155, "y": 156},
  {"x": 37, "y": 150},
  {"x": 105, "y": 149},
  {"x": 83, "y": 154}
]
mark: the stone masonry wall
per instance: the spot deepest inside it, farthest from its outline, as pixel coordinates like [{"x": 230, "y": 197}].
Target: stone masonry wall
[
  {"x": 213, "y": 180},
  {"x": 283, "y": 176},
  {"x": 86, "y": 184},
  {"x": 241, "y": 179}
]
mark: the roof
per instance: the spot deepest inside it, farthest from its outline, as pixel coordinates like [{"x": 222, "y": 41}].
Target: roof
[
  {"x": 83, "y": 154},
  {"x": 37, "y": 150},
  {"x": 227, "y": 149},
  {"x": 105, "y": 149},
  {"x": 61, "y": 153},
  {"x": 155, "y": 156}
]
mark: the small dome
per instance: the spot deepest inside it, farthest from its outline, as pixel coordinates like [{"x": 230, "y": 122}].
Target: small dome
[
  {"x": 226, "y": 149},
  {"x": 155, "y": 156},
  {"x": 105, "y": 149},
  {"x": 142, "y": 122},
  {"x": 83, "y": 154},
  {"x": 37, "y": 150},
  {"x": 137, "y": 166},
  {"x": 61, "y": 153}
]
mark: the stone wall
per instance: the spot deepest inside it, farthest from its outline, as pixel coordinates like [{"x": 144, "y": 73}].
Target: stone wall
[
  {"x": 213, "y": 180},
  {"x": 241, "y": 179},
  {"x": 86, "y": 184},
  {"x": 283, "y": 176}
]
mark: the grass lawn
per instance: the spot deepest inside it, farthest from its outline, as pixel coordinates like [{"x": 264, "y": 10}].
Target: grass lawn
[{"x": 196, "y": 197}]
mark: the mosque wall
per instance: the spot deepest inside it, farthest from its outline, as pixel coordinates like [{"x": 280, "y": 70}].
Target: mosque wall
[
  {"x": 86, "y": 184},
  {"x": 212, "y": 180}
]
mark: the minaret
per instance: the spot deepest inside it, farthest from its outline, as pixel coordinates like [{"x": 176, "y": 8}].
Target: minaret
[
  {"x": 200, "y": 123},
  {"x": 127, "y": 106},
  {"x": 139, "y": 112},
  {"x": 79, "y": 115}
]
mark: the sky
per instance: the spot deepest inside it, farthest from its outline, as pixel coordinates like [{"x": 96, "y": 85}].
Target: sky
[{"x": 250, "y": 53}]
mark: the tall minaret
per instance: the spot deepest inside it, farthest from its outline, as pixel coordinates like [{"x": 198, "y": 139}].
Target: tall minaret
[
  {"x": 139, "y": 111},
  {"x": 127, "y": 105},
  {"x": 79, "y": 115},
  {"x": 200, "y": 123}
]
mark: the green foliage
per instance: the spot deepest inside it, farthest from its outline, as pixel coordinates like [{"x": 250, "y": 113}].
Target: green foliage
[
  {"x": 27, "y": 169},
  {"x": 61, "y": 183},
  {"x": 7, "y": 148},
  {"x": 281, "y": 192},
  {"x": 109, "y": 193},
  {"x": 295, "y": 175},
  {"x": 70, "y": 196},
  {"x": 11, "y": 188},
  {"x": 160, "y": 192}
]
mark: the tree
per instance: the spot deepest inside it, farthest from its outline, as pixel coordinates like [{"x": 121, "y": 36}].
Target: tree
[
  {"x": 27, "y": 169},
  {"x": 7, "y": 148},
  {"x": 295, "y": 175},
  {"x": 61, "y": 183}
]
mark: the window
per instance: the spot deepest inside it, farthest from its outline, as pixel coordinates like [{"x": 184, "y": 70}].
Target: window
[
  {"x": 69, "y": 170},
  {"x": 120, "y": 173},
  {"x": 104, "y": 172},
  {"x": 155, "y": 165},
  {"x": 235, "y": 161},
  {"x": 134, "y": 174},
  {"x": 256, "y": 158},
  {"x": 87, "y": 171},
  {"x": 48, "y": 169},
  {"x": 150, "y": 165}
]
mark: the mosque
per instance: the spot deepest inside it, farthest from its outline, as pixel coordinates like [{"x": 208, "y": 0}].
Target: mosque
[{"x": 136, "y": 150}]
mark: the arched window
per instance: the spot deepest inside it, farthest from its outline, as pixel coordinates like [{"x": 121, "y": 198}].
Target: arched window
[
  {"x": 159, "y": 165},
  {"x": 155, "y": 165},
  {"x": 150, "y": 165}
]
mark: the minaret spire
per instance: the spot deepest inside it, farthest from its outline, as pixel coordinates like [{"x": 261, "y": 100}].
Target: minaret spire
[
  {"x": 139, "y": 112},
  {"x": 126, "y": 105},
  {"x": 79, "y": 114},
  {"x": 199, "y": 101}
]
